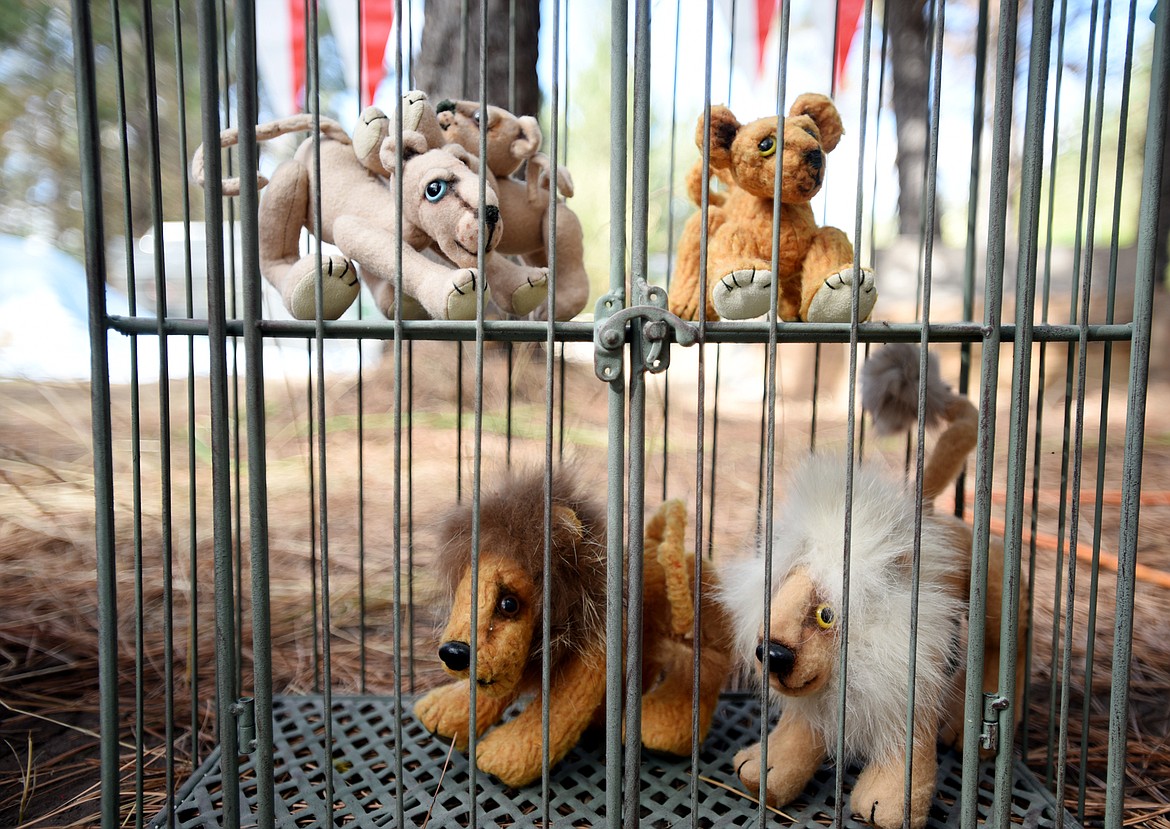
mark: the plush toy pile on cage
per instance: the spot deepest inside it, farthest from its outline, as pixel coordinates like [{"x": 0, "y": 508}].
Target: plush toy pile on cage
[{"x": 480, "y": 537}]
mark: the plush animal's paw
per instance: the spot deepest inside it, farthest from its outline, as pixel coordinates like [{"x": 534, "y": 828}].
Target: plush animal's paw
[
  {"x": 666, "y": 725},
  {"x": 461, "y": 300},
  {"x": 834, "y": 301},
  {"x": 781, "y": 785},
  {"x": 445, "y": 711},
  {"x": 372, "y": 126},
  {"x": 412, "y": 309},
  {"x": 747, "y": 766},
  {"x": 339, "y": 287},
  {"x": 531, "y": 294},
  {"x": 743, "y": 295},
  {"x": 878, "y": 798},
  {"x": 564, "y": 183},
  {"x": 509, "y": 757}
]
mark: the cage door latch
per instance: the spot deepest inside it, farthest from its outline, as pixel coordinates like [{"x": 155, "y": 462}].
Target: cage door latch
[
  {"x": 245, "y": 712},
  {"x": 658, "y": 328},
  {"x": 989, "y": 736}
]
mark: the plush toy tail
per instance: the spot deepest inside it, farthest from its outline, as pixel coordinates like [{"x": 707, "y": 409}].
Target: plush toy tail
[
  {"x": 302, "y": 122},
  {"x": 889, "y": 392},
  {"x": 664, "y": 542}
]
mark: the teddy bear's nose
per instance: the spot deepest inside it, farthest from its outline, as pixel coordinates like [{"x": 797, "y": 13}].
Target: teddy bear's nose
[
  {"x": 455, "y": 655},
  {"x": 815, "y": 159},
  {"x": 491, "y": 214},
  {"x": 781, "y": 660}
]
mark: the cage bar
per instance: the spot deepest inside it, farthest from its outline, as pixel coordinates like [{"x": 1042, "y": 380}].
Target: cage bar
[{"x": 349, "y": 749}]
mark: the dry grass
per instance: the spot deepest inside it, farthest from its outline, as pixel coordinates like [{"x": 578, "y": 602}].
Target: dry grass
[{"x": 48, "y": 613}]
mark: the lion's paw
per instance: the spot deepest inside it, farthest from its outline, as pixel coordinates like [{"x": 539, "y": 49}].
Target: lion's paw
[
  {"x": 743, "y": 294},
  {"x": 834, "y": 301},
  {"x": 747, "y": 766},
  {"x": 666, "y": 726},
  {"x": 781, "y": 785},
  {"x": 339, "y": 287},
  {"x": 514, "y": 762},
  {"x": 461, "y": 301},
  {"x": 445, "y": 711},
  {"x": 528, "y": 297},
  {"x": 878, "y": 798}
]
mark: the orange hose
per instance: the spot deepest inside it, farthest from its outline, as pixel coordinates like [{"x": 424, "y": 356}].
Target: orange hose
[
  {"x": 1110, "y": 498},
  {"x": 1106, "y": 561}
]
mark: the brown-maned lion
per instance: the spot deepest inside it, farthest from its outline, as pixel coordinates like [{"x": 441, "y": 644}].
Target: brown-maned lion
[{"x": 509, "y": 628}]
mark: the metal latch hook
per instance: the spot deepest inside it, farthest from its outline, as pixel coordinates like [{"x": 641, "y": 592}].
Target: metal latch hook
[{"x": 610, "y": 336}]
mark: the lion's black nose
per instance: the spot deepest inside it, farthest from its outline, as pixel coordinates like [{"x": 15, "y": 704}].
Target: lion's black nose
[
  {"x": 781, "y": 660},
  {"x": 815, "y": 159},
  {"x": 455, "y": 655},
  {"x": 491, "y": 214}
]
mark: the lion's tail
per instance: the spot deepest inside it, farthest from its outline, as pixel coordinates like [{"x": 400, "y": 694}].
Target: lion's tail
[
  {"x": 664, "y": 543},
  {"x": 889, "y": 392},
  {"x": 302, "y": 122}
]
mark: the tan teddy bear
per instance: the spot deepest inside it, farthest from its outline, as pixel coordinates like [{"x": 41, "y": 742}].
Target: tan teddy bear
[
  {"x": 512, "y": 141},
  {"x": 815, "y": 264}
]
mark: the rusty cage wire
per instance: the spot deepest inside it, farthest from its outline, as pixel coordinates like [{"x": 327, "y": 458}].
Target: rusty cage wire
[{"x": 371, "y": 425}]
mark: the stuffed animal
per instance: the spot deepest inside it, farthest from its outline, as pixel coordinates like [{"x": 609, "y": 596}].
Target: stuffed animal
[
  {"x": 511, "y": 575},
  {"x": 807, "y": 614},
  {"x": 815, "y": 265},
  {"x": 440, "y": 194},
  {"x": 511, "y": 142}
]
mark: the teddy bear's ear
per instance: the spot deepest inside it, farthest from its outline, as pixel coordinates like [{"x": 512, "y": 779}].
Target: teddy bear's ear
[
  {"x": 824, "y": 113},
  {"x": 724, "y": 128},
  {"x": 413, "y": 143}
]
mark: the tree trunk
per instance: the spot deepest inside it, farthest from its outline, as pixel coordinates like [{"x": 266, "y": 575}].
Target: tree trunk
[
  {"x": 448, "y": 61},
  {"x": 1162, "y": 237},
  {"x": 909, "y": 59}
]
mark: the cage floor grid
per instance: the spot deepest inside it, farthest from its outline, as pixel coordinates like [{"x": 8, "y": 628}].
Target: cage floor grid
[{"x": 364, "y": 765}]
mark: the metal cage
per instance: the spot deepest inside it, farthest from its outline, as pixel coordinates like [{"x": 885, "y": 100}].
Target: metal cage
[{"x": 343, "y": 746}]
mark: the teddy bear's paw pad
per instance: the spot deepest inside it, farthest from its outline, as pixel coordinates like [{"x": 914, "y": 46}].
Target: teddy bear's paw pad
[
  {"x": 834, "y": 301},
  {"x": 339, "y": 288},
  {"x": 461, "y": 300},
  {"x": 372, "y": 126},
  {"x": 531, "y": 294},
  {"x": 412, "y": 309},
  {"x": 743, "y": 294}
]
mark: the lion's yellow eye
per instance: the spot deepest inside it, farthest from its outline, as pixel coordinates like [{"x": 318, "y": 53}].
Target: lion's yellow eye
[
  {"x": 767, "y": 146},
  {"x": 825, "y": 617}
]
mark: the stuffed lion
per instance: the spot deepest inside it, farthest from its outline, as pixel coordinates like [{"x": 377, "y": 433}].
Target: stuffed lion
[{"x": 509, "y": 624}]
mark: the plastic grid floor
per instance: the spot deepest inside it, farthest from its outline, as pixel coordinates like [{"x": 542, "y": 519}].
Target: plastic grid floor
[{"x": 364, "y": 766}]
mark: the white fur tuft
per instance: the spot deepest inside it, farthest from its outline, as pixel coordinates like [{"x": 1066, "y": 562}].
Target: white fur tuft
[
  {"x": 889, "y": 388},
  {"x": 809, "y": 532}
]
